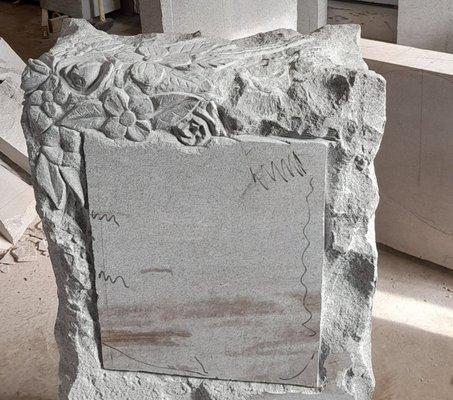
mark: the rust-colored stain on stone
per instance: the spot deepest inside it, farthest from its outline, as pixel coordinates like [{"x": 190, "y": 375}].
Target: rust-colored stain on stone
[
  {"x": 219, "y": 308},
  {"x": 212, "y": 308},
  {"x": 157, "y": 270},
  {"x": 156, "y": 338}
]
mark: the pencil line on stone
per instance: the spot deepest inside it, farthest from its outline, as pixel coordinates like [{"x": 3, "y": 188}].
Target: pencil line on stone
[
  {"x": 301, "y": 372},
  {"x": 155, "y": 365},
  {"x": 313, "y": 333}
]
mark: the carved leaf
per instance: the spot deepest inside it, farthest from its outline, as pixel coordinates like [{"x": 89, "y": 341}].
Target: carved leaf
[
  {"x": 172, "y": 109},
  {"x": 188, "y": 82},
  {"x": 89, "y": 115},
  {"x": 72, "y": 178},
  {"x": 39, "y": 121},
  {"x": 192, "y": 46},
  {"x": 51, "y": 182},
  {"x": 35, "y": 74},
  {"x": 152, "y": 50},
  {"x": 220, "y": 61}
]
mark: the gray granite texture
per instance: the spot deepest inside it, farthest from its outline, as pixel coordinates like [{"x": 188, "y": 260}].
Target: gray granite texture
[
  {"x": 209, "y": 262},
  {"x": 196, "y": 90}
]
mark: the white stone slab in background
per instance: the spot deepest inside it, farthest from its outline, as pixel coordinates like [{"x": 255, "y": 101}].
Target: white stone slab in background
[
  {"x": 415, "y": 166},
  {"x": 9, "y": 60},
  {"x": 17, "y": 205},
  {"x": 311, "y": 15},
  {"x": 426, "y": 24},
  {"x": 377, "y": 22},
  {"x": 12, "y": 140},
  {"x": 231, "y": 19},
  {"x": 210, "y": 264},
  {"x": 228, "y": 19}
]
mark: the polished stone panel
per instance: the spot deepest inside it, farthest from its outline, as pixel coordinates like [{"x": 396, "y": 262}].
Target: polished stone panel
[{"x": 209, "y": 263}]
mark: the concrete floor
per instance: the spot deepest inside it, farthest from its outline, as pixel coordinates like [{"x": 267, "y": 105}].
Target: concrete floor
[{"x": 413, "y": 312}]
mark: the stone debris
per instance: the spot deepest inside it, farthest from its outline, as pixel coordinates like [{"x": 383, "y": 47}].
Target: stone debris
[
  {"x": 7, "y": 259},
  {"x": 4, "y": 268},
  {"x": 24, "y": 253},
  {"x": 43, "y": 247},
  {"x": 31, "y": 244},
  {"x": 37, "y": 233}
]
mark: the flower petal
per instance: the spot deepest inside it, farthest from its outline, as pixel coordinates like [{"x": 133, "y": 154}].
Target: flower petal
[
  {"x": 139, "y": 131},
  {"x": 142, "y": 106},
  {"x": 113, "y": 129},
  {"x": 115, "y": 102}
]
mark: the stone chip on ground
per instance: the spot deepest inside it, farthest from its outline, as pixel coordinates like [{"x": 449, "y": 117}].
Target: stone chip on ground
[
  {"x": 24, "y": 252},
  {"x": 183, "y": 91},
  {"x": 43, "y": 246}
]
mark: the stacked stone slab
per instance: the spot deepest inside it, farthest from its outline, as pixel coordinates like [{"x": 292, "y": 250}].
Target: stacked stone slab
[
  {"x": 191, "y": 91},
  {"x": 415, "y": 214},
  {"x": 231, "y": 19},
  {"x": 17, "y": 203}
]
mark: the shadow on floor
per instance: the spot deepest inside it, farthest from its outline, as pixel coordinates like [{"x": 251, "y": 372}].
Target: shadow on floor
[{"x": 410, "y": 363}]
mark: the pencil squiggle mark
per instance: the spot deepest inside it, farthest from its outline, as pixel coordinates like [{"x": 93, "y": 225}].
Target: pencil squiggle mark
[
  {"x": 108, "y": 278},
  {"x": 201, "y": 364},
  {"x": 101, "y": 215},
  {"x": 168, "y": 367},
  {"x": 301, "y": 372},
  {"x": 288, "y": 169},
  {"x": 310, "y": 314}
]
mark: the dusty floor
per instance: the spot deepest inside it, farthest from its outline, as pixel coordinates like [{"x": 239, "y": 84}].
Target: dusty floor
[
  {"x": 25, "y": 18},
  {"x": 413, "y": 313}
]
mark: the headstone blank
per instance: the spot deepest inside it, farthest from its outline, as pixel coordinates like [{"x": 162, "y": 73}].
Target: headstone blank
[
  {"x": 209, "y": 264},
  {"x": 180, "y": 181}
]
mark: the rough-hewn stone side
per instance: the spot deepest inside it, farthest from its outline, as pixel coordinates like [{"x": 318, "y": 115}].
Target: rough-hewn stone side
[{"x": 279, "y": 83}]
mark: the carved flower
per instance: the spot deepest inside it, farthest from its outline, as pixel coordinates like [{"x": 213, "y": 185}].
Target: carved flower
[
  {"x": 203, "y": 123},
  {"x": 129, "y": 114},
  {"x": 87, "y": 76},
  {"x": 34, "y": 75}
]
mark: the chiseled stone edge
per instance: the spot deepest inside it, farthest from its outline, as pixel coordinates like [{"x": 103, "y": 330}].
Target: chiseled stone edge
[{"x": 349, "y": 276}]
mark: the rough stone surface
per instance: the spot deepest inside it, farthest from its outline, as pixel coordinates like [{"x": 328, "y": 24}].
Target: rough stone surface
[{"x": 140, "y": 88}]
